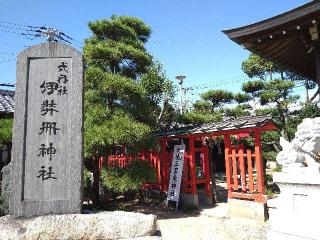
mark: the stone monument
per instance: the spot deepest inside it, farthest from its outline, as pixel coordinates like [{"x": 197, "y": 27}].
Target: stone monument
[
  {"x": 47, "y": 154},
  {"x": 297, "y": 207}
]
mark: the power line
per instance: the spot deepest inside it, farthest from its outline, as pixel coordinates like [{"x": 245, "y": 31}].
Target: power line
[
  {"x": 8, "y": 53},
  {"x": 13, "y": 44},
  {"x": 33, "y": 32},
  {"x": 17, "y": 33},
  {"x": 7, "y": 60},
  {"x": 178, "y": 41},
  {"x": 15, "y": 24}
]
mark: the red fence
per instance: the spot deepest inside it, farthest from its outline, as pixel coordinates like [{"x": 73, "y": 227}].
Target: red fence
[
  {"x": 244, "y": 167},
  {"x": 152, "y": 157},
  {"x": 244, "y": 171}
]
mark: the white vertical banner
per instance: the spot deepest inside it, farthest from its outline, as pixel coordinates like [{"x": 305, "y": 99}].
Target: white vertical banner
[{"x": 176, "y": 173}]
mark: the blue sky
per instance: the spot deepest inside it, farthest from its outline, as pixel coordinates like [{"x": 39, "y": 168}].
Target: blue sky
[{"x": 186, "y": 39}]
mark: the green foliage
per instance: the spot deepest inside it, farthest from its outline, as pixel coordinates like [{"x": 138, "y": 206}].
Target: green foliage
[
  {"x": 278, "y": 168},
  {"x": 86, "y": 178},
  {"x": 119, "y": 128},
  {"x": 124, "y": 88},
  {"x": 253, "y": 88},
  {"x": 217, "y": 97},
  {"x": 247, "y": 142},
  {"x": 269, "y": 156},
  {"x": 242, "y": 97},
  {"x": 117, "y": 46},
  {"x": 198, "y": 117},
  {"x": 123, "y": 85},
  {"x": 238, "y": 111},
  {"x": 202, "y": 106},
  {"x": 309, "y": 110},
  {"x": 278, "y": 91},
  {"x": 265, "y": 111},
  {"x": 255, "y": 66},
  {"x": 157, "y": 86},
  {"x": 270, "y": 136},
  {"x": 5, "y": 131},
  {"x": 128, "y": 179}
]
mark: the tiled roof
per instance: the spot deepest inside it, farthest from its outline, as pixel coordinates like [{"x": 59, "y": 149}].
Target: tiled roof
[
  {"x": 225, "y": 125},
  {"x": 6, "y": 101}
]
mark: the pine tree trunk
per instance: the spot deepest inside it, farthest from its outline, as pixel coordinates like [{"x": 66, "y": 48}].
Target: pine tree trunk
[{"x": 96, "y": 181}]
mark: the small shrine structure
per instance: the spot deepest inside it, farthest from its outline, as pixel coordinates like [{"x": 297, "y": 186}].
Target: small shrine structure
[{"x": 243, "y": 165}]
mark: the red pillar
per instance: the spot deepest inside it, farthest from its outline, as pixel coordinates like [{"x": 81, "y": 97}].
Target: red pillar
[
  {"x": 227, "y": 146},
  {"x": 165, "y": 169},
  {"x": 259, "y": 163},
  {"x": 192, "y": 165},
  {"x": 100, "y": 163},
  {"x": 207, "y": 169}
]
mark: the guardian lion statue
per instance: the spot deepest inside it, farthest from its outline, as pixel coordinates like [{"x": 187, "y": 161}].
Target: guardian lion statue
[{"x": 303, "y": 153}]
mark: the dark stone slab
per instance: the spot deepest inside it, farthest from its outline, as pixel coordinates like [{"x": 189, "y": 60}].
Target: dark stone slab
[{"x": 48, "y": 132}]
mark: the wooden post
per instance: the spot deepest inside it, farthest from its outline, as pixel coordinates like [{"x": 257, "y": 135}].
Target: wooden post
[
  {"x": 234, "y": 170},
  {"x": 207, "y": 169},
  {"x": 164, "y": 165},
  {"x": 242, "y": 171},
  {"x": 317, "y": 63},
  {"x": 159, "y": 168},
  {"x": 193, "y": 168},
  {"x": 100, "y": 163},
  {"x": 250, "y": 172},
  {"x": 227, "y": 146},
  {"x": 259, "y": 163}
]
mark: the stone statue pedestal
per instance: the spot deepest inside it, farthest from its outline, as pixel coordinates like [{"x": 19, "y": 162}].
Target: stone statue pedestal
[{"x": 297, "y": 208}]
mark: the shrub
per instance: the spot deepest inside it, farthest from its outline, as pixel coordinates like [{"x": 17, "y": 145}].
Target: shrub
[
  {"x": 87, "y": 184},
  {"x": 129, "y": 179},
  {"x": 269, "y": 156},
  {"x": 278, "y": 168},
  {"x": 87, "y": 178}
]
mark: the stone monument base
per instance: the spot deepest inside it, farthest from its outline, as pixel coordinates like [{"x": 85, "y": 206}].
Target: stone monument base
[
  {"x": 247, "y": 209},
  {"x": 297, "y": 208},
  {"x": 104, "y": 225}
]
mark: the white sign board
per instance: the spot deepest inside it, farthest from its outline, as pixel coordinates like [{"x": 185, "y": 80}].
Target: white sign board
[{"x": 176, "y": 173}]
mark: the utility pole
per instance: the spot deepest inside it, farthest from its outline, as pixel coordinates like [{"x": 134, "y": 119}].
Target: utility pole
[
  {"x": 180, "y": 78},
  {"x": 51, "y": 34}
]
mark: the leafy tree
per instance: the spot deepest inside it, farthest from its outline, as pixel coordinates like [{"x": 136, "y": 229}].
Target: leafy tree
[
  {"x": 217, "y": 97},
  {"x": 198, "y": 117},
  {"x": 202, "y": 106},
  {"x": 123, "y": 88},
  {"x": 279, "y": 92},
  {"x": 255, "y": 66},
  {"x": 253, "y": 90},
  {"x": 6, "y": 138},
  {"x": 160, "y": 91},
  {"x": 205, "y": 110},
  {"x": 242, "y": 109},
  {"x": 5, "y": 131},
  {"x": 238, "y": 111},
  {"x": 129, "y": 179},
  {"x": 242, "y": 97}
]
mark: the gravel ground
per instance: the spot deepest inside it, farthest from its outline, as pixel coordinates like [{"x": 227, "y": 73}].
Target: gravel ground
[{"x": 212, "y": 224}]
